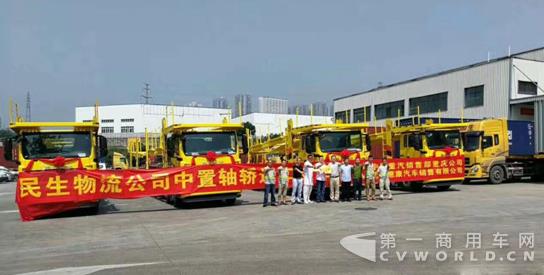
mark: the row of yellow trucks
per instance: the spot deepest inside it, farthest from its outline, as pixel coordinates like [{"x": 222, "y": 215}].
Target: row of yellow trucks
[
  {"x": 362, "y": 140},
  {"x": 488, "y": 146},
  {"x": 494, "y": 150},
  {"x": 83, "y": 148}
]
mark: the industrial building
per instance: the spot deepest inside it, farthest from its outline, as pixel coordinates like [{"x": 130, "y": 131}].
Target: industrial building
[
  {"x": 507, "y": 87},
  {"x": 272, "y": 105},
  {"x": 119, "y": 122},
  {"x": 266, "y": 124}
]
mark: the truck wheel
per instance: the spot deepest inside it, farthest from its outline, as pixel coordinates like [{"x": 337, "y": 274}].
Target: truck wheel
[
  {"x": 230, "y": 201},
  {"x": 443, "y": 187},
  {"x": 496, "y": 174},
  {"x": 169, "y": 199},
  {"x": 92, "y": 209},
  {"x": 179, "y": 203},
  {"x": 416, "y": 186}
]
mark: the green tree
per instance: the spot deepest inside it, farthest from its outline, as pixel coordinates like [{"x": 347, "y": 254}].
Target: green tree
[
  {"x": 247, "y": 125},
  {"x": 6, "y": 133}
]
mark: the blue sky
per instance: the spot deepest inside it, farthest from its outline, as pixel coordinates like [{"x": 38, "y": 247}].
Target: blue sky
[{"x": 73, "y": 53}]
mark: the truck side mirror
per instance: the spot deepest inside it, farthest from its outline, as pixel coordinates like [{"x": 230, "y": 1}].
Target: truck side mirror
[
  {"x": 8, "y": 149},
  {"x": 245, "y": 145},
  {"x": 102, "y": 147}
]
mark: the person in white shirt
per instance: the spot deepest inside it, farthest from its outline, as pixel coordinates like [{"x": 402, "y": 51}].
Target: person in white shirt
[
  {"x": 383, "y": 173},
  {"x": 320, "y": 179},
  {"x": 335, "y": 179},
  {"x": 346, "y": 171},
  {"x": 308, "y": 179}
]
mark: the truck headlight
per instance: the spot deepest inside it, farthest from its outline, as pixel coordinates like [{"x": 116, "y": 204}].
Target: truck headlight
[{"x": 474, "y": 169}]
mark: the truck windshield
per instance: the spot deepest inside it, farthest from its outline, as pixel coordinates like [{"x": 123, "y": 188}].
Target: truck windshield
[
  {"x": 202, "y": 143},
  {"x": 471, "y": 142},
  {"x": 338, "y": 141},
  {"x": 51, "y": 145},
  {"x": 443, "y": 139}
]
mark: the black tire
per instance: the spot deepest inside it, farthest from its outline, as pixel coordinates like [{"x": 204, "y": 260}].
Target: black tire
[
  {"x": 179, "y": 203},
  {"x": 416, "y": 186},
  {"x": 92, "y": 210},
  {"x": 496, "y": 175},
  {"x": 443, "y": 187},
  {"x": 171, "y": 199},
  {"x": 230, "y": 201}
]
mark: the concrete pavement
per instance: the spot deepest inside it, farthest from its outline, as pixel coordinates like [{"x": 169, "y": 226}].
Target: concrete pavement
[{"x": 246, "y": 238}]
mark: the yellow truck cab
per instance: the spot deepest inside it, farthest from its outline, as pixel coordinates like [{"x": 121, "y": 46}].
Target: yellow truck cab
[
  {"x": 412, "y": 139},
  {"x": 426, "y": 140},
  {"x": 78, "y": 142},
  {"x": 119, "y": 161},
  {"x": 498, "y": 149},
  {"x": 37, "y": 143},
  {"x": 319, "y": 140},
  {"x": 190, "y": 144}
]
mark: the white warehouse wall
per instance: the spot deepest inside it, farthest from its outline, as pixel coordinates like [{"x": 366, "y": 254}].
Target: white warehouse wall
[
  {"x": 493, "y": 75},
  {"x": 526, "y": 70},
  {"x": 150, "y": 116}
]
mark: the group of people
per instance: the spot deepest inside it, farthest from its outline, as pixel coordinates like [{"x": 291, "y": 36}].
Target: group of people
[{"x": 347, "y": 181}]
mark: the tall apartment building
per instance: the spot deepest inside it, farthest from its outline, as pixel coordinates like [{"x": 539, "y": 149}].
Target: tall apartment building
[
  {"x": 321, "y": 109},
  {"x": 243, "y": 101},
  {"x": 220, "y": 102},
  {"x": 272, "y": 105}
]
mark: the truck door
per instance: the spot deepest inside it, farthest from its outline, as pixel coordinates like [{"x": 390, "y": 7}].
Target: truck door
[
  {"x": 172, "y": 150},
  {"x": 412, "y": 145},
  {"x": 488, "y": 147}
]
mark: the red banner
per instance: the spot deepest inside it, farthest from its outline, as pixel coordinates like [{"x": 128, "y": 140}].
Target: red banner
[{"x": 44, "y": 193}]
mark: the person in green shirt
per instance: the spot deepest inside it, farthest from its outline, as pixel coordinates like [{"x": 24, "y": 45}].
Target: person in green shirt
[
  {"x": 357, "y": 180},
  {"x": 370, "y": 184},
  {"x": 283, "y": 171},
  {"x": 269, "y": 183}
]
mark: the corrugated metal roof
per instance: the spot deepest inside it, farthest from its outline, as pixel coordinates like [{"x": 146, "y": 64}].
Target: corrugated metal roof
[
  {"x": 527, "y": 99},
  {"x": 440, "y": 73}
]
